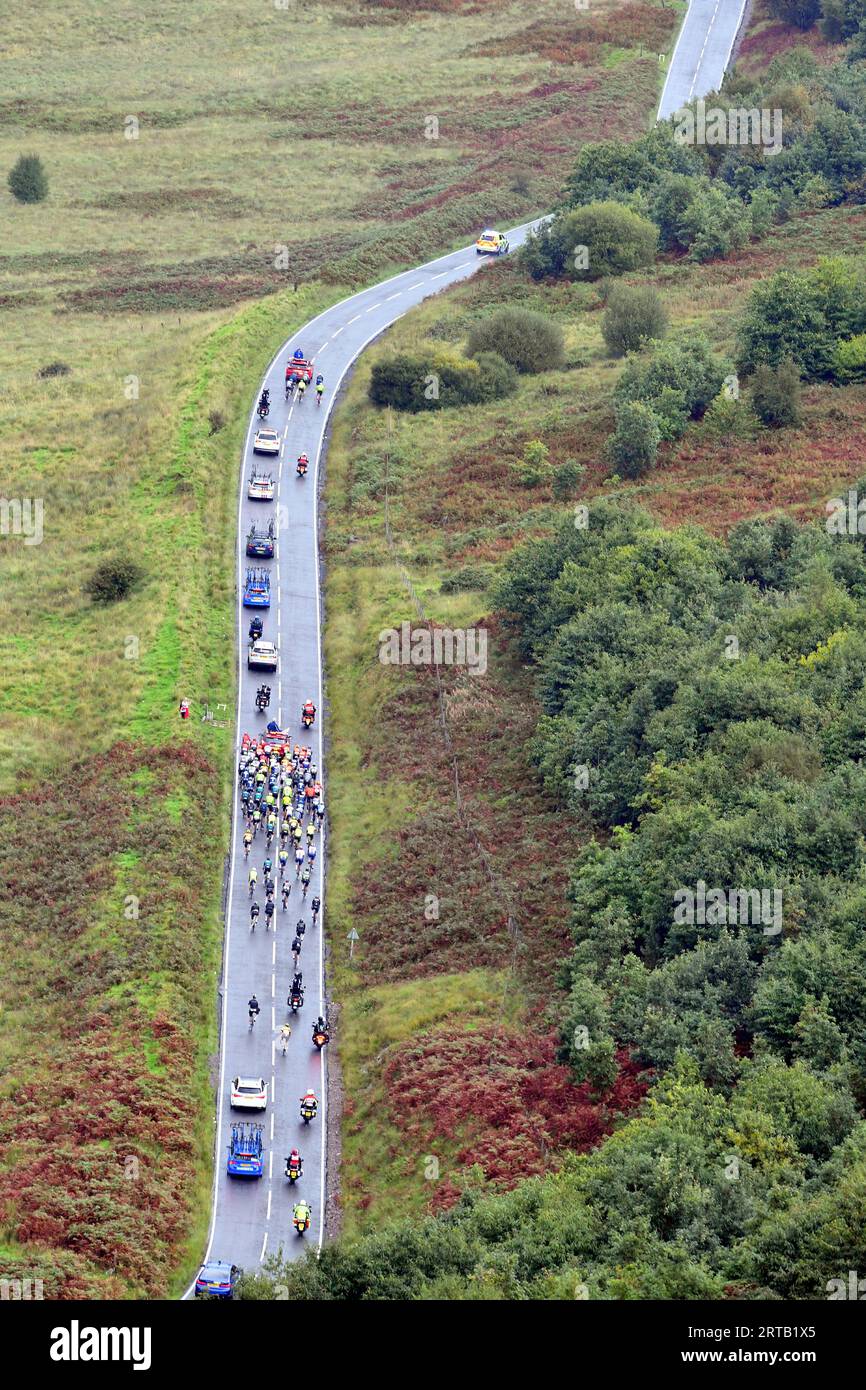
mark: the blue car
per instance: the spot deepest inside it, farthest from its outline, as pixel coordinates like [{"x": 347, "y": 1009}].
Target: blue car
[
  {"x": 246, "y": 1158},
  {"x": 217, "y": 1279},
  {"x": 257, "y": 589},
  {"x": 260, "y": 541}
]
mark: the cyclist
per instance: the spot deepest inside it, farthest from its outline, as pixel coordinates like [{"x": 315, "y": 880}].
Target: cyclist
[
  {"x": 284, "y": 1034},
  {"x": 311, "y": 833},
  {"x": 267, "y": 867},
  {"x": 305, "y": 880},
  {"x": 300, "y": 928},
  {"x": 254, "y": 914},
  {"x": 311, "y": 852},
  {"x": 269, "y": 912},
  {"x": 287, "y": 888},
  {"x": 248, "y": 839},
  {"x": 302, "y": 386},
  {"x": 284, "y": 859},
  {"x": 299, "y": 860},
  {"x": 254, "y": 1009},
  {"x": 320, "y": 386},
  {"x": 315, "y": 906},
  {"x": 296, "y": 951},
  {"x": 253, "y": 879}
]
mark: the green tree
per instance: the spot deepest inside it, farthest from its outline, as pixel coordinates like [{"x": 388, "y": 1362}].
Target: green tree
[
  {"x": 592, "y": 241},
  {"x": 634, "y": 444},
  {"x": 713, "y": 224},
  {"x": 801, "y": 13},
  {"x": 776, "y": 395}
]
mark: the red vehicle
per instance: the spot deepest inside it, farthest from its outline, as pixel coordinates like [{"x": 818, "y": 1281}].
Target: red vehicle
[{"x": 298, "y": 367}]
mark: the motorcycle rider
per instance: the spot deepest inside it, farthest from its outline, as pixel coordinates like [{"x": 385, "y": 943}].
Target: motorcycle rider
[
  {"x": 320, "y": 1029},
  {"x": 295, "y": 1161},
  {"x": 309, "y": 1102},
  {"x": 301, "y": 1213}
]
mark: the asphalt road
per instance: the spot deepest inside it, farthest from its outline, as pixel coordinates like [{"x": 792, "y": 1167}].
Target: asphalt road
[
  {"x": 702, "y": 52},
  {"x": 252, "y": 1218}
]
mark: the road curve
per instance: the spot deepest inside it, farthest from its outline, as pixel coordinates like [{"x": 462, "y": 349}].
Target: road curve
[
  {"x": 702, "y": 52},
  {"x": 252, "y": 1219}
]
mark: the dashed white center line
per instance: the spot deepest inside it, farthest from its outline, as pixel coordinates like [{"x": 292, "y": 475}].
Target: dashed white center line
[
  {"x": 440, "y": 276},
  {"x": 372, "y": 307},
  {"x": 322, "y": 348},
  {"x": 354, "y": 320},
  {"x": 264, "y": 1245},
  {"x": 417, "y": 285},
  {"x": 268, "y": 1217},
  {"x": 337, "y": 332},
  {"x": 393, "y": 296}
]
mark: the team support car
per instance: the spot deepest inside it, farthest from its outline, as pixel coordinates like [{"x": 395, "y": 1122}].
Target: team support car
[
  {"x": 266, "y": 442},
  {"x": 249, "y": 1093},
  {"x": 217, "y": 1279},
  {"x": 260, "y": 487},
  {"x": 491, "y": 243},
  {"x": 257, "y": 589},
  {"x": 246, "y": 1156},
  {"x": 262, "y": 656},
  {"x": 261, "y": 541},
  {"x": 299, "y": 367}
]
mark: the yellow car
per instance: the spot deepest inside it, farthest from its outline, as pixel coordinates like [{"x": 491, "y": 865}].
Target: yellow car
[{"x": 491, "y": 243}]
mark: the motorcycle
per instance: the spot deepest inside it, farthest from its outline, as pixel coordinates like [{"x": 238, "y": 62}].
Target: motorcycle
[
  {"x": 256, "y": 629},
  {"x": 319, "y": 1039},
  {"x": 307, "y": 718},
  {"x": 262, "y": 700},
  {"x": 263, "y": 408},
  {"x": 308, "y": 1112},
  {"x": 293, "y": 1173},
  {"x": 302, "y": 468},
  {"x": 296, "y": 1001},
  {"x": 301, "y": 1224}
]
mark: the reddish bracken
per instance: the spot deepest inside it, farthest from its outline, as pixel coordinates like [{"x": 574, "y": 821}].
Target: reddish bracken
[{"x": 503, "y": 1098}]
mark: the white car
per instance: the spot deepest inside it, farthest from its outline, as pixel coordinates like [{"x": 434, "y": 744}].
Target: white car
[
  {"x": 261, "y": 487},
  {"x": 249, "y": 1093},
  {"x": 262, "y": 656},
  {"x": 266, "y": 442}
]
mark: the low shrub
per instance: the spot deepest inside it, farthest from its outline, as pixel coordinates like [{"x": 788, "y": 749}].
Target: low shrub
[
  {"x": 634, "y": 316},
  {"x": 438, "y": 378},
  {"x": 113, "y": 579},
  {"x": 530, "y": 342}
]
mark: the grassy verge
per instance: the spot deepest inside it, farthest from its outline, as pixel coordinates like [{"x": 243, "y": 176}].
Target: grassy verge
[{"x": 113, "y": 929}]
